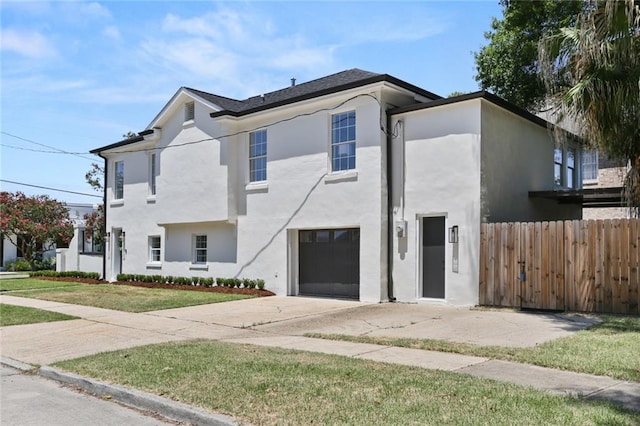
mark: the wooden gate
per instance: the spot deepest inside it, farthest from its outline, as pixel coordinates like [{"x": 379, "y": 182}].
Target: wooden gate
[{"x": 590, "y": 266}]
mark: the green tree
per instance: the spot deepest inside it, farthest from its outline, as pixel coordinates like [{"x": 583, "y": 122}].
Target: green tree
[
  {"x": 592, "y": 76},
  {"x": 37, "y": 223},
  {"x": 508, "y": 65}
]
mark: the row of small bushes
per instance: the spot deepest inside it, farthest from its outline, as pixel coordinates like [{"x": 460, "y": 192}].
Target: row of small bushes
[
  {"x": 68, "y": 274},
  {"x": 21, "y": 265},
  {"x": 195, "y": 281}
]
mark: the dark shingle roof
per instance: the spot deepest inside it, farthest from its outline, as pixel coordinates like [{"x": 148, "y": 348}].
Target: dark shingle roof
[{"x": 322, "y": 86}]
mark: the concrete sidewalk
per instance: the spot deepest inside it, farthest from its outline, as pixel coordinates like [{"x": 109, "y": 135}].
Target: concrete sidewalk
[{"x": 282, "y": 321}]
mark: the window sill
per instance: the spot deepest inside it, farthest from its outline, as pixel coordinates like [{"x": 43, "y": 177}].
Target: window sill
[
  {"x": 116, "y": 203},
  {"x": 151, "y": 199},
  {"x": 341, "y": 176},
  {"x": 257, "y": 186},
  {"x": 154, "y": 265},
  {"x": 199, "y": 267},
  {"x": 188, "y": 123}
]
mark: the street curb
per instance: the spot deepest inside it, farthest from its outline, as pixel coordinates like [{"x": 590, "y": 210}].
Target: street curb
[
  {"x": 18, "y": 365},
  {"x": 141, "y": 400}
]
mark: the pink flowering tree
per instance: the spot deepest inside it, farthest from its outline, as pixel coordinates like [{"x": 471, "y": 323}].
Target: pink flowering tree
[{"x": 35, "y": 223}]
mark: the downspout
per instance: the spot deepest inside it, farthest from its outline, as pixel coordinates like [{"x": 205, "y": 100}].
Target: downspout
[
  {"x": 390, "y": 225},
  {"x": 104, "y": 211}
]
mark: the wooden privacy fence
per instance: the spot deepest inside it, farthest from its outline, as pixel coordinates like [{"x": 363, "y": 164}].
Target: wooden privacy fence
[{"x": 588, "y": 265}]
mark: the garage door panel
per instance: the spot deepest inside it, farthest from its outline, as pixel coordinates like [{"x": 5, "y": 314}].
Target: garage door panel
[{"x": 330, "y": 263}]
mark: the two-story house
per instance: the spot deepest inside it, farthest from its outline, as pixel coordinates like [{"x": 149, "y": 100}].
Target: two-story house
[{"x": 355, "y": 185}]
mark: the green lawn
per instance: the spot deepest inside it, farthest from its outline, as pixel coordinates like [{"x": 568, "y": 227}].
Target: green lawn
[
  {"x": 610, "y": 348},
  {"x": 32, "y": 283},
  {"x": 126, "y": 298},
  {"x": 272, "y": 386},
  {"x": 16, "y": 315}
]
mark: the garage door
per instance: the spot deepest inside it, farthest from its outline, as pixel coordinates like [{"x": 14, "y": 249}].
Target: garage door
[{"x": 330, "y": 263}]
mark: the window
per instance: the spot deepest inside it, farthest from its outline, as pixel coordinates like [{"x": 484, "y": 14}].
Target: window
[
  {"x": 154, "y": 248},
  {"x": 557, "y": 166},
  {"x": 258, "y": 156},
  {"x": 89, "y": 243},
  {"x": 590, "y": 165},
  {"x": 118, "y": 188},
  {"x": 571, "y": 167},
  {"x": 200, "y": 249},
  {"x": 153, "y": 172},
  {"x": 189, "y": 111},
  {"x": 343, "y": 141}
]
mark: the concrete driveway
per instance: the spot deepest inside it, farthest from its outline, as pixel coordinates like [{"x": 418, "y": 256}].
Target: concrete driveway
[{"x": 101, "y": 330}]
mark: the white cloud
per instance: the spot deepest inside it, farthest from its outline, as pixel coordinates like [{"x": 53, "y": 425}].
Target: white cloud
[
  {"x": 82, "y": 10},
  {"x": 112, "y": 32},
  {"x": 31, "y": 44}
]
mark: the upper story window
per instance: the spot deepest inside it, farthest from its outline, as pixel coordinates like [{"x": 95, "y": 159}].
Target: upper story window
[
  {"x": 200, "y": 249},
  {"x": 189, "y": 111},
  {"x": 258, "y": 156},
  {"x": 153, "y": 173},
  {"x": 154, "y": 248},
  {"x": 118, "y": 187},
  {"x": 557, "y": 166},
  {"x": 343, "y": 141},
  {"x": 590, "y": 165}
]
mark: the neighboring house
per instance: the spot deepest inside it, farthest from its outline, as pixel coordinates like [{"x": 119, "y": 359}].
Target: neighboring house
[
  {"x": 83, "y": 253},
  {"x": 600, "y": 173},
  {"x": 354, "y": 185}
]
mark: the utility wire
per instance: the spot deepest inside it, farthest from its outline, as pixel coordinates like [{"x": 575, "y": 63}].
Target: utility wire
[
  {"x": 56, "y": 150},
  {"x": 50, "y": 189}
]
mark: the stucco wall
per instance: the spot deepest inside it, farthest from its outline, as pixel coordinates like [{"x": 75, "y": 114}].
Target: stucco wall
[
  {"x": 517, "y": 157},
  {"x": 442, "y": 178},
  {"x": 252, "y": 229}
]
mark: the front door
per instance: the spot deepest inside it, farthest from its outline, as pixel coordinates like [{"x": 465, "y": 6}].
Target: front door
[{"x": 433, "y": 256}]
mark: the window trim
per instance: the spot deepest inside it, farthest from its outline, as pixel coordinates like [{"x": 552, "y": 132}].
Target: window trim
[
  {"x": 118, "y": 182},
  {"x": 197, "y": 250},
  {"x": 571, "y": 170},
  {"x": 253, "y": 178},
  {"x": 154, "y": 250},
  {"x": 592, "y": 154},
  {"x": 558, "y": 180},
  {"x": 347, "y": 142}
]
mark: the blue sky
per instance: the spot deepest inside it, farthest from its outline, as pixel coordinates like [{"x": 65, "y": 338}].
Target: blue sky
[{"x": 77, "y": 75}]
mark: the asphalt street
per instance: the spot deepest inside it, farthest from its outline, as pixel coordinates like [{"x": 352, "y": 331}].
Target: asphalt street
[{"x": 27, "y": 399}]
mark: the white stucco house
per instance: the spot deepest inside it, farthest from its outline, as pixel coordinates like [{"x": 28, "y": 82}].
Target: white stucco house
[
  {"x": 83, "y": 252},
  {"x": 354, "y": 185}
]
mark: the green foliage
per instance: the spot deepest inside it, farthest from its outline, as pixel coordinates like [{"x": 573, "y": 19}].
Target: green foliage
[
  {"x": 17, "y": 265},
  {"x": 34, "y": 223},
  {"x": 67, "y": 274},
  {"x": 260, "y": 283},
  {"x": 17, "y": 315},
  {"x": 195, "y": 281},
  {"x": 508, "y": 65}
]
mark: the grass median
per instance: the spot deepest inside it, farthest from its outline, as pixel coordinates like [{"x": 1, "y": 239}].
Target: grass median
[
  {"x": 121, "y": 297},
  {"x": 609, "y": 348},
  {"x": 18, "y": 315},
  {"x": 269, "y": 386}
]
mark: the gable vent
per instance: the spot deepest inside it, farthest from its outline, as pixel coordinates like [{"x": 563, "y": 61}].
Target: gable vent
[{"x": 189, "y": 111}]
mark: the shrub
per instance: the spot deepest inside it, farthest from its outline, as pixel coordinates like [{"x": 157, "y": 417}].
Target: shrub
[
  {"x": 260, "y": 283},
  {"x": 220, "y": 282},
  {"x": 236, "y": 282},
  {"x": 46, "y": 264},
  {"x": 67, "y": 274},
  {"x": 168, "y": 279},
  {"x": 208, "y": 282},
  {"x": 195, "y": 280},
  {"x": 18, "y": 265}
]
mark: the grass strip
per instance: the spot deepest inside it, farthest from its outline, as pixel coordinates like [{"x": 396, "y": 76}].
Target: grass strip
[
  {"x": 273, "y": 386},
  {"x": 32, "y": 284},
  {"x": 17, "y": 315},
  {"x": 127, "y": 298},
  {"x": 609, "y": 348}
]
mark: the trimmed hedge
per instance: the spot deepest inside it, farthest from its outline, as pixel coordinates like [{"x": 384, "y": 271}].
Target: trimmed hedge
[
  {"x": 69, "y": 274},
  {"x": 194, "y": 281}
]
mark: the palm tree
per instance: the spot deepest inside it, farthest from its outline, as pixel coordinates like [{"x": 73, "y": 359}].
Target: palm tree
[{"x": 592, "y": 72}]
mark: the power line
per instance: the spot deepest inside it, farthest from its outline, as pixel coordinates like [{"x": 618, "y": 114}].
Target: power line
[
  {"x": 50, "y": 189},
  {"x": 56, "y": 150}
]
